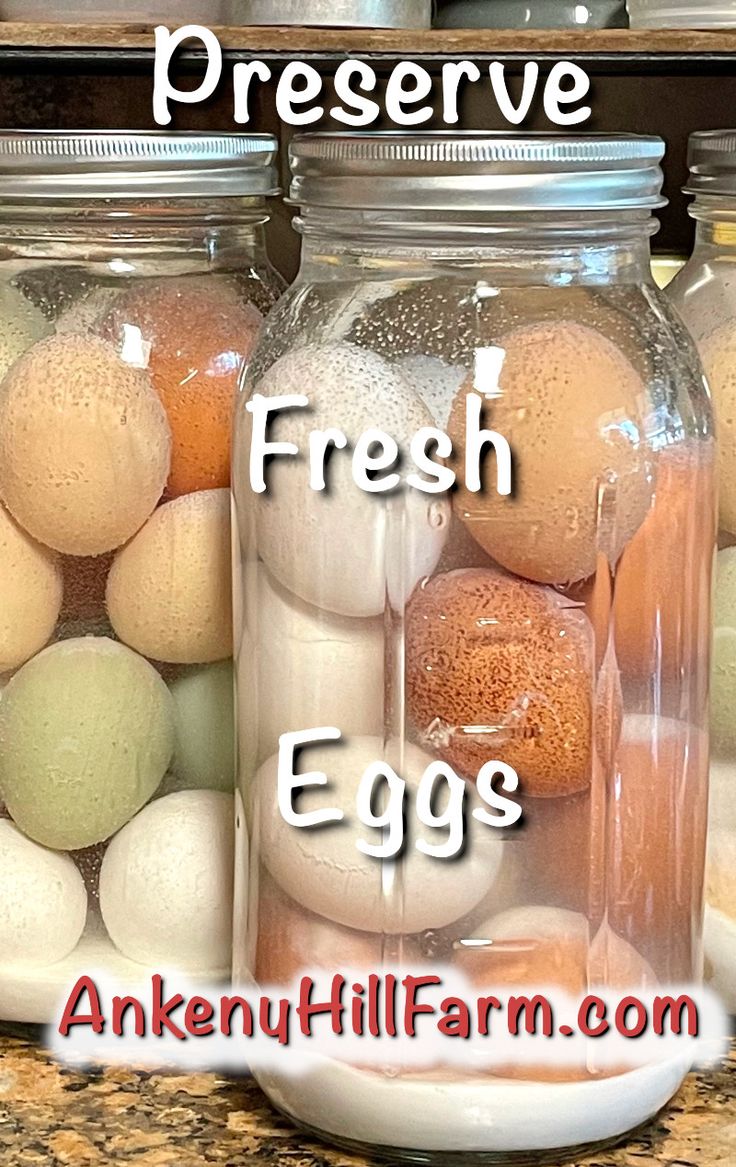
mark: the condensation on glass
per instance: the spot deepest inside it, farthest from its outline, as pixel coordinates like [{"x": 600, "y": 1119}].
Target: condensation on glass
[
  {"x": 562, "y": 630},
  {"x": 133, "y": 283}
]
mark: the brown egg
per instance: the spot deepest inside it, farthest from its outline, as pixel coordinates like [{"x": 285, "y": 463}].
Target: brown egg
[
  {"x": 568, "y": 402},
  {"x": 535, "y": 948},
  {"x": 292, "y": 939},
  {"x": 650, "y": 825},
  {"x": 662, "y": 586},
  {"x": 501, "y": 669},
  {"x": 193, "y": 336}
]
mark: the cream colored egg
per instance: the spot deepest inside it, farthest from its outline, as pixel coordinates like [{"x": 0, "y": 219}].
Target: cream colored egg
[
  {"x": 84, "y": 445},
  {"x": 322, "y": 869},
  {"x": 169, "y": 591},
  {"x": 21, "y": 325},
  {"x": 311, "y": 667},
  {"x": 722, "y": 801},
  {"x": 719, "y": 361},
  {"x": 719, "y": 948},
  {"x": 344, "y": 548},
  {"x": 723, "y": 676},
  {"x": 30, "y": 594},
  {"x": 721, "y": 875},
  {"x": 166, "y": 884},
  {"x": 43, "y": 905}
]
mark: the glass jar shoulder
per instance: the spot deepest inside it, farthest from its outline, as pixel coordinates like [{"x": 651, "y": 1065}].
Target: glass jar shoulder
[
  {"x": 441, "y": 329},
  {"x": 704, "y": 293}
]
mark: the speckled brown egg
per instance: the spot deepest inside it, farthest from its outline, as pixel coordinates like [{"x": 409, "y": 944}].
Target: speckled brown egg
[
  {"x": 30, "y": 594},
  {"x": 501, "y": 669},
  {"x": 84, "y": 445},
  {"x": 169, "y": 592},
  {"x": 193, "y": 336},
  {"x": 569, "y": 403}
]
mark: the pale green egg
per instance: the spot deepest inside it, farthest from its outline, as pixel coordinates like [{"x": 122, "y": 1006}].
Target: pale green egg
[
  {"x": 204, "y": 756},
  {"x": 86, "y": 735}
]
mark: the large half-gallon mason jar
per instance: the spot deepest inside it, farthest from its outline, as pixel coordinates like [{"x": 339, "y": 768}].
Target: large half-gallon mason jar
[
  {"x": 133, "y": 282},
  {"x": 415, "y": 621},
  {"x": 705, "y": 295}
]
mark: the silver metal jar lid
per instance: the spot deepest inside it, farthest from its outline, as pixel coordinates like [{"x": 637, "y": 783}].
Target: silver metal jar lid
[
  {"x": 711, "y": 157},
  {"x": 113, "y": 164},
  {"x": 477, "y": 171},
  {"x": 332, "y": 13}
]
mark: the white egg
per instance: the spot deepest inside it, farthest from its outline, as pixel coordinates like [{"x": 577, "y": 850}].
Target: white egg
[
  {"x": 344, "y": 548},
  {"x": 310, "y": 667},
  {"x": 166, "y": 884},
  {"x": 322, "y": 869},
  {"x": 43, "y": 905}
]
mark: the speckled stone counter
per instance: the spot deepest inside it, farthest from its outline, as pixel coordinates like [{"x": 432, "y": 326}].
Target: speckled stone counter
[{"x": 55, "y": 1117}]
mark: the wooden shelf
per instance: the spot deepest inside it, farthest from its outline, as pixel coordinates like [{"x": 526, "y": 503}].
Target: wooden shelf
[{"x": 136, "y": 39}]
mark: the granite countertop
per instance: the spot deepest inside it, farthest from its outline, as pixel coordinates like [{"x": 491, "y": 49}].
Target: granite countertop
[{"x": 56, "y": 1117}]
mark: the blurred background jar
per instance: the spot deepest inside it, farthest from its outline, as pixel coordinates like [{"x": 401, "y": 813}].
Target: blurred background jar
[
  {"x": 705, "y": 295},
  {"x": 531, "y": 14},
  {"x": 209, "y": 12},
  {"x": 330, "y": 13},
  {"x": 701, "y": 14},
  {"x": 563, "y": 631},
  {"x": 133, "y": 284}
]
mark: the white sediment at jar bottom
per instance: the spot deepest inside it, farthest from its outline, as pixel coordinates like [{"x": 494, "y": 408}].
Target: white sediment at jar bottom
[
  {"x": 35, "y": 994},
  {"x": 719, "y": 945},
  {"x": 493, "y": 1116}
]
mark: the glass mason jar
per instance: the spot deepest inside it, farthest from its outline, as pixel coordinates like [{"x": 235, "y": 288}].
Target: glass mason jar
[
  {"x": 704, "y": 293},
  {"x": 133, "y": 282},
  {"x": 559, "y": 633}
]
